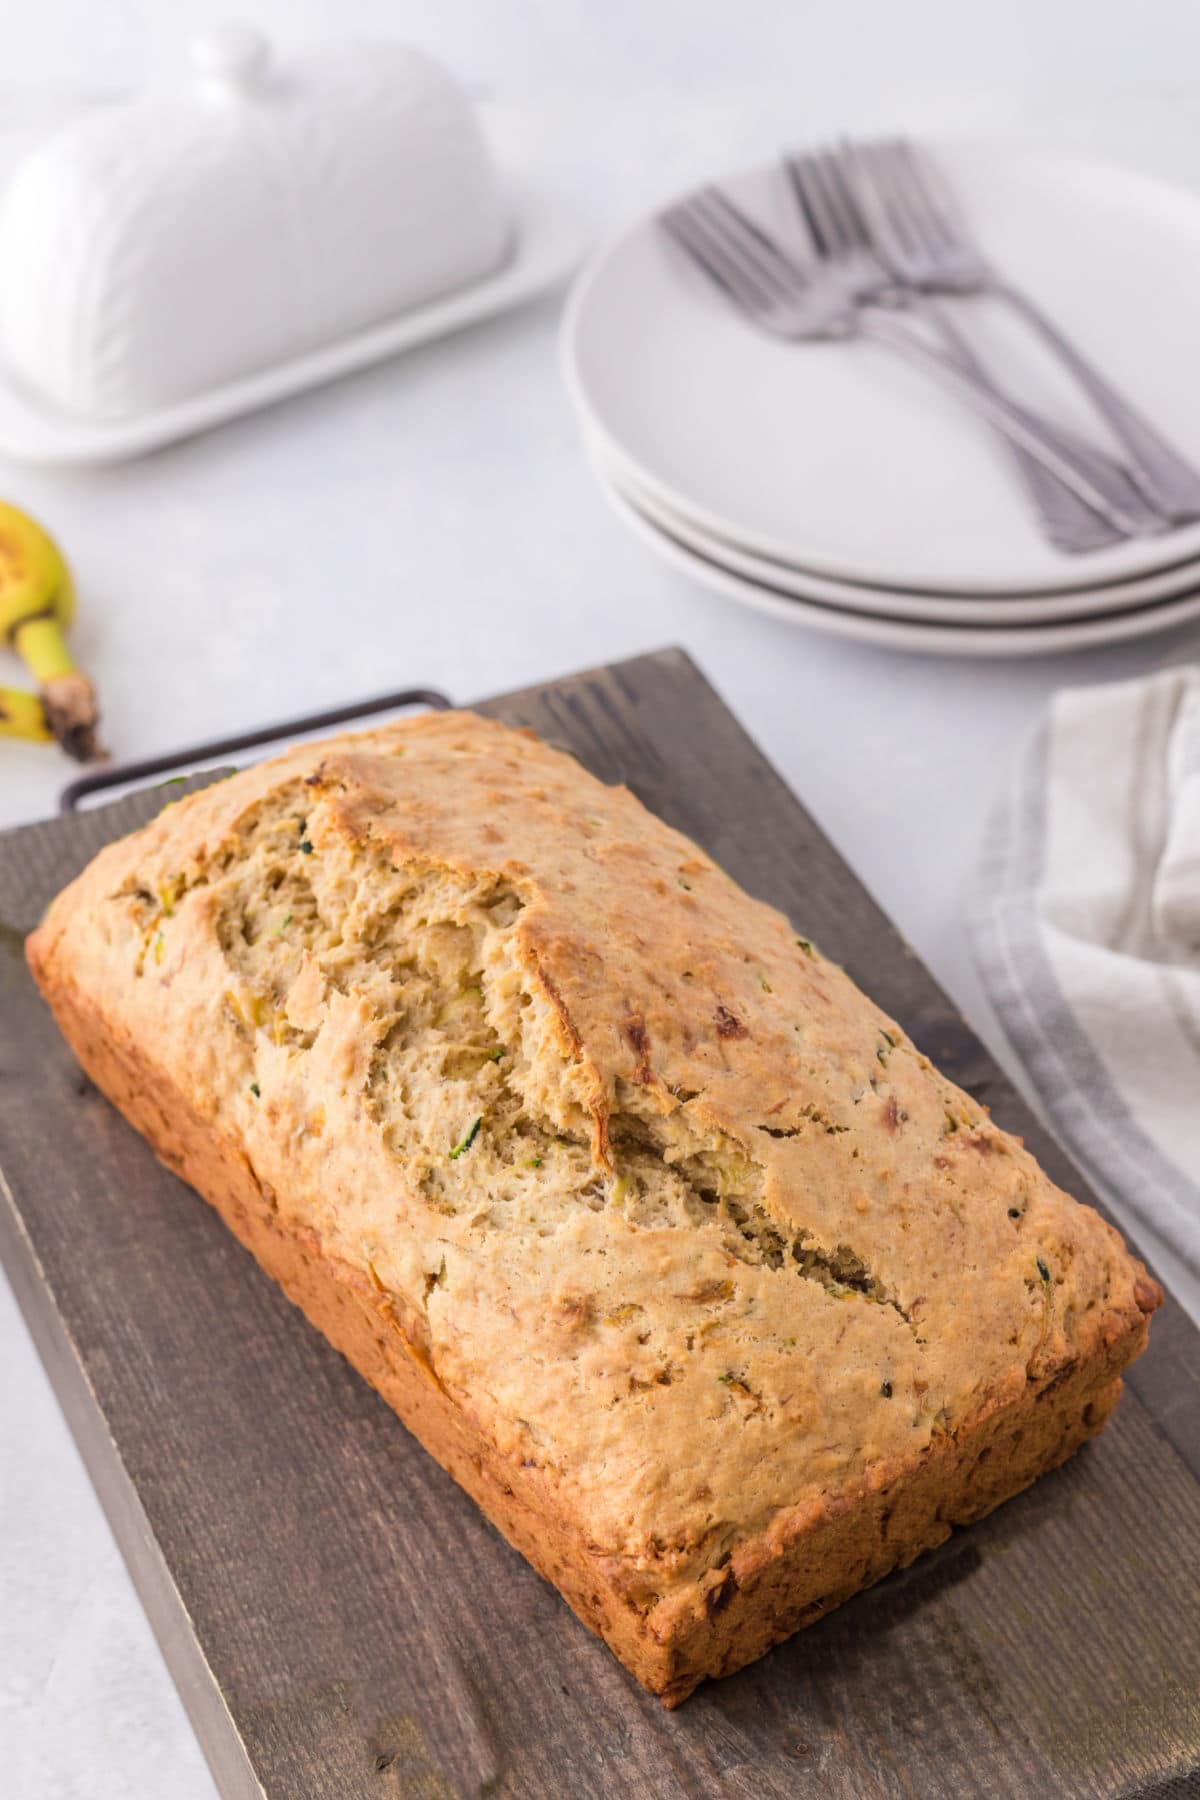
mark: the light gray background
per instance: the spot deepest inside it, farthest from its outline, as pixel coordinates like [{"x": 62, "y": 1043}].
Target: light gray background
[{"x": 433, "y": 521}]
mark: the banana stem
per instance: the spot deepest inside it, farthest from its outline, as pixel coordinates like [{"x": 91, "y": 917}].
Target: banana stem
[
  {"x": 68, "y": 697},
  {"x": 23, "y": 716}
]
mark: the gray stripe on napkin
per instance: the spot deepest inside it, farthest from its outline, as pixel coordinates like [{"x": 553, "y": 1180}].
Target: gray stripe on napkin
[
  {"x": 1157, "y": 711},
  {"x": 1082, "y": 1103},
  {"x": 1157, "y": 719}
]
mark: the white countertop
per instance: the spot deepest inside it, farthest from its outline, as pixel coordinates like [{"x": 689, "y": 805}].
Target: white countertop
[{"x": 433, "y": 521}]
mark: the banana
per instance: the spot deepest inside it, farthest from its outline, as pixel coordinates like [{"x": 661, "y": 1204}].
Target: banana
[
  {"x": 22, "y": 715},
  {"x": 37, "y": 602}
]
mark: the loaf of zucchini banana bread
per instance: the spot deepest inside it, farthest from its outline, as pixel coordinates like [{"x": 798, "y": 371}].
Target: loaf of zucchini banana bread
[{"x": 663, "y": 1239}]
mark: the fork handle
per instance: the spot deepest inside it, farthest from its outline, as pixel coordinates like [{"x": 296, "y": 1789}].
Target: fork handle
[
  {"x": 1067, "y": 522},
  {"x": 1166, "y": 478},
  {"x": 1085, "y": 477}
]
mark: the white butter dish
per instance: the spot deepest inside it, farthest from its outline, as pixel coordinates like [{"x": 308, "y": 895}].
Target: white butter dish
[{"x": 171, "y": 262}]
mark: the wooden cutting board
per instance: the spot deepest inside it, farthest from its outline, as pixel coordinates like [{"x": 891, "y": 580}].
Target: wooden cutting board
[{"x": 339, "y": 1618}]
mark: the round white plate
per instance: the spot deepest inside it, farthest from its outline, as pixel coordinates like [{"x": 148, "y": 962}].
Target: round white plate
[
  {"x": 937, "y": 609},
  {"x": 547, "y": 246},
  {"x": 898, "y": 634},
  {"x": 843, "y": 460}
]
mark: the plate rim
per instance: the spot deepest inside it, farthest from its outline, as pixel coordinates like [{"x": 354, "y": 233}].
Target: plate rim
[
  {"x": 901, "y": 603},
  {"x": 917, "y": 636}
]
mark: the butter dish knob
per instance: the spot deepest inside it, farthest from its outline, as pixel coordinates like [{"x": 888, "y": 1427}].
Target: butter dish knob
[{"x": 228, "y": 61}]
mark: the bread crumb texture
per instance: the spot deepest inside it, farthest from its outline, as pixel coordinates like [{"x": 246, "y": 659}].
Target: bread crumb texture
[{"x": 680, "y": 1220}]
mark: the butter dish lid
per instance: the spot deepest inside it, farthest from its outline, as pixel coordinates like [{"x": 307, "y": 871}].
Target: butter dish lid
[{"x": 155, "y": 250}]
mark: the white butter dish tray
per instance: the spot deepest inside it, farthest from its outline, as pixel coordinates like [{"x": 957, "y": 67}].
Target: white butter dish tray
[{"x": 547, "y": 245}]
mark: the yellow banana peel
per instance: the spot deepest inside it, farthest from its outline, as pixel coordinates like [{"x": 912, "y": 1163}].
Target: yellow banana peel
[
  {"x": 37, "y": 603},
  {"x": 22, "y": 715}
]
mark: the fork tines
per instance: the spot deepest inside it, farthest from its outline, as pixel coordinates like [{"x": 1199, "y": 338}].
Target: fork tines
[{"x": 731, "y": 247}]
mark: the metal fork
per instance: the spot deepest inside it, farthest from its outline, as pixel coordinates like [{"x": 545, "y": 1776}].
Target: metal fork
[
  {"x": 838, "y": 231},
  {"x": 802, "y": 305},
  {"x": 921, "y": 235}
]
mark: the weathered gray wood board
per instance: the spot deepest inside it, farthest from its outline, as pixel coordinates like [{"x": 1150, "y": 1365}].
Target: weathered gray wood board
[{"x": 340, "y": 1619}]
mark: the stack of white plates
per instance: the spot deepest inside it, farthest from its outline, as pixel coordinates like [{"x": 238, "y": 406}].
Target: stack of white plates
[{"x": 838, "y": 487}]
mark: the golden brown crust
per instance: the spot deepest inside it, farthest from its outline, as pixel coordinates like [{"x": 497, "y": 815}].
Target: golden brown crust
[{"x": 696, "y": 1516}]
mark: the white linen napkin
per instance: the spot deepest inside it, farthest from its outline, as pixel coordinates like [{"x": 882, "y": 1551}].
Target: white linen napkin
[{"x": 1085, "y": 924}]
